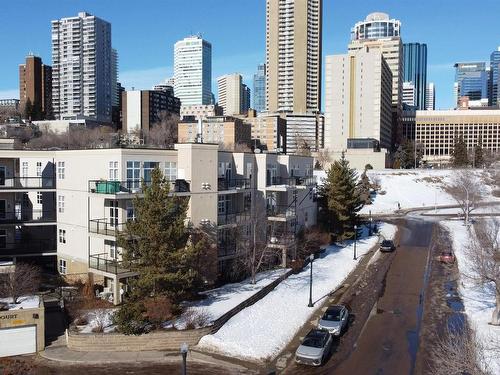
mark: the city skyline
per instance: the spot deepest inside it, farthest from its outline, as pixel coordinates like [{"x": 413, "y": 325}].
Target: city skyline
[{"x": 145, "y": 64}]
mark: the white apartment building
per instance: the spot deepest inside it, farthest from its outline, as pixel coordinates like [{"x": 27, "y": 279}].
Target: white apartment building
[
  {"x": 293, "y": 55},
  {"x": 200, "y": 111},
  {"x": 230, "y": 93},
  {"x": 409, "y": 94},
  {"x": 357, "y": 99},
  {"x": 193, "y": 71},
  {"x": 82, "y": 71},
  {"x": 430, "y": 97},
  {"x": 225, "y": 190},
  {"x": 304, "y": 129}
]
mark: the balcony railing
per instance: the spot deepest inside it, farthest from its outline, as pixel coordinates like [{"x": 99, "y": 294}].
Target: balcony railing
[
  {"x": 103, "y": 263},
  {"x": 291, "y": 181},
  {"x": 233, "y": 218},
  {"x": 281, "y": 211},
  {"x": 239, "y": 183},
  {"x": 27, "y": 183},
  {"x": 132, "y": 186},
  {"x": 25, "y": 247},
  {"x": 105, "y": 227},
  {"x": 27, "y": 215}
]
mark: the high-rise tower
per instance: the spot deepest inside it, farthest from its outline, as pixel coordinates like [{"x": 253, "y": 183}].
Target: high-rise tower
[{"x": 415, "y": 70}]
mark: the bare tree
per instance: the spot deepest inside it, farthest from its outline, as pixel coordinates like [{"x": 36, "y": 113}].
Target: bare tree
[
  {"x": 163, "y": 133},
  {"x": 467, "y": 190},
  {"x": 323, "y": 158},
  {"x": 459, "y": 351},
  {"x": 376, "y": 182},
  {"x": 302, "y": 145},
  {"x": 24, "y": 280},
  {"x": 74, "y": 138},
  {"x": 483, "y": 257}
]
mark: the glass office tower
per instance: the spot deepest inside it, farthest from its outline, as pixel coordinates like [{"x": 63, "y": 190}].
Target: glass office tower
[
  {"x": 471, "y": 80},
  {"x": 259, "y": 89},
  {"x": 415, "y": 70}
]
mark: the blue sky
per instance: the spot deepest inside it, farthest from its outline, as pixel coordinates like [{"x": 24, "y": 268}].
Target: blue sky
[{"x": 145, "y": 31}]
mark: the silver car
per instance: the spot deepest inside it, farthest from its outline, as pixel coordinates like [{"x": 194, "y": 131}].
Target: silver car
[
  {"x": 334, "y": 320},
  {"x": 314, "y": 348}
]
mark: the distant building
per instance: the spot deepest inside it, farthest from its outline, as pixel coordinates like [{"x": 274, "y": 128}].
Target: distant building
[
  {"x": 115, "y": 98},
  {"x": 409, "y": 94},
  {"x": 193, "y": 71},
  {"x": 35, "y": 85},
  {"x": 231, "y": 94},
  {"x": 304, "y": 131},
  {"x": 268, "y": 132},
  {"x": 259, "y": 89},
  {"x": 358, "y": 88},
  {"x": 376, "y": 26},
  {"x": 164, "y": 87},
  {"x": 436, "y": 131},
  {"x": 225, "y": 130},
  {"x": 82, "y": 72},
  {"x": 415, "y": 70},
  {"x": 245, "y": 98},
  {"x": 430, "y": 97},
  {"x": 471, "y": 80},
  {"x": 293, "y": 55},
  {"x": 141, "y": 109},
  {"x": 494, "y": 80},
  {"x": 202, "y": 111},
  {"x": 408, "y": 123},
  {"x": 10, "y": 103}
]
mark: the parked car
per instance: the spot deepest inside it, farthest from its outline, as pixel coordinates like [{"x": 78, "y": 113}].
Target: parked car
[
  {"x": 314, "y": 348},
  {"x": 334, "y": 320},
  {"x": 447, "y": 257},
  {"x": 387, "y": 245}
]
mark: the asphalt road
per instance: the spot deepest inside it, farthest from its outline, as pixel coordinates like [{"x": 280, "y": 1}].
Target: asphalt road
[{"x": 388, "y": 339}]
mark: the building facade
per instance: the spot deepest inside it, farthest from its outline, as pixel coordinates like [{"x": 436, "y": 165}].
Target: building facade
[
  {"x": 430, "y": 97},
  {"x": 246, "y": 96},
  {"x": 409, "y": 94},
  {"x": 193, "y": 71},
  {"x": 142, "y": 109},
  {"x": 494, "y": 78},
  {"x": 268, "y": 132},
  {"x": 35, "y": 85},
  {"x": 415, "y": 70},
  {"x": 259, "y": 89},
  {"x": 199, "y": 111},
  {"x": 304, "y": 132},
  {"x": 293, "y": 55},
  {"x": 10, "y": 103},
  {"x": 82, "y": 68},
  {"x": 471, "y": 80},
  {"x": 358, "y": 104},
  {"x": 223, "y": 130},
  {"x": 376, "y": 26},
  {"x": 231, "y": 94},
  {"x": 436, "y": 131}
]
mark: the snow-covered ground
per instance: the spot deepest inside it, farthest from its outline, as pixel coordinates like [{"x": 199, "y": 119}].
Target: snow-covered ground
[
  {"x": 262, "y": 330},
  {"x": 411, "y": 189},
  {"x": 99, "y": 317},
  {"x": 479, "y": 303},
  {"x": 219, "y": 301},
  {"x": 25, "y": 302}
]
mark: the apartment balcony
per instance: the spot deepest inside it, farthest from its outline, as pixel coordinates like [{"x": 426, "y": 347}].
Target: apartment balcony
[
  {"x": 25, "y": 248},
  {"x": 235, "y": 184},
  {"x": 129, "y": 188},
  {"x": 283, "y": 183},
  {"x": 281, "y": 213},
  {"x": 281, "y": 240},
  {"x": 105, "y": 227},
  {"x": 28, "y": 216},
  {"x": 233, "y": 219},
  {"x": 106, "y": 265},
  {"x": 21, "y": 184}
]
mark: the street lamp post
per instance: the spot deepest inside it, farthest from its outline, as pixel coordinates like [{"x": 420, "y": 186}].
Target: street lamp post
[
  {"x": 184, "y": 351},
  {"x": 355, "y": 240},
  {"x": 371, "y": 225},
  {"x": 311, "y": 259}
]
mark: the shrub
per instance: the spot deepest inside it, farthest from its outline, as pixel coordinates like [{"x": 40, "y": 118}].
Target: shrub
[
  {"x": 197, "y": 318},
  {"x": 130, "y": 318},
  {"x": 158, "y": 310}
]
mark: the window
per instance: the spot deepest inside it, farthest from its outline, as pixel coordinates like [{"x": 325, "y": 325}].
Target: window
[
  {"x": 130, "y": 211},
  {"x": 60, "y": 170},
  {"x": 62, "y": 266},
  {"x": 60, "y": 203},
  {"x": 113, "y": 170},
  {"x": 62, "y": 235},
  {"x": 3, "y": 238},
  {"x": 39, "y": 169},
  {"x": 39, "y": 197},
  {"x": 113, "y": 213},
  {"x": 133, "y": 174},
  {"x": 112, "y": 249},
  {"x": 171, "y": 170},
  {"x": 148, "y": 169},
  {"x": 24, "y": 170}
]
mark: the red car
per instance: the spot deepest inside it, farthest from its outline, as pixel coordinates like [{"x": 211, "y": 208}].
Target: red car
[{"x": 447, "y": 257}]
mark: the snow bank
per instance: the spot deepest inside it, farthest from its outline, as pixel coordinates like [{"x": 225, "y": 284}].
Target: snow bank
[
  {"x": 479, "y": 303},
  {"x": 25, "y": 302},
  {"x": 99, "y": 317},
  {"x": 262, "y": 330}
]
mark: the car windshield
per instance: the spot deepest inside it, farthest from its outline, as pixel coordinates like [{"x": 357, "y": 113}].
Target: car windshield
[
  {"x": 386, "y": 243},
  {"x": 332, "y": 315},
  {"x": 314, "y": 342}
]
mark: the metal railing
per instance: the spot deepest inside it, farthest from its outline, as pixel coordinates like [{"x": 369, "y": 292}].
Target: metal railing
[
  {"x": 103, "y": 263},
  {"x": 281, "y": 211},
  {"x": 292, "y": 181},
  {"x": 238, "y": 183},
  {"x": 132, "y": 186},
  {"x": 105, "y": 226},
  {"x": 233, "y": 218},
  {"x": 27, "y": 215},
  {"x": 24, "y": 247},
  {"x": 28, "y": 183}
]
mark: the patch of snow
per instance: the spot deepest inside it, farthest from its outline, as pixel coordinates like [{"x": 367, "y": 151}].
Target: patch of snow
[
  {"x": 98, "y": 317},
  {"x": 262, "y": 330},
  {"x": 25, "y": 302},
  {"x": 479, "y": 302}
]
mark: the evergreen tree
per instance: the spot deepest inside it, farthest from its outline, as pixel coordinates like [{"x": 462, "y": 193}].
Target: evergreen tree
[
  {"x": 28, "y": 110},
  {"x": 364, "y": 189},
  {"x": 405, "y": 155},
  {"x": 478, "y": 154},
  {"x": 459, "y": 155},
  {"x": 341, "y": 199}
]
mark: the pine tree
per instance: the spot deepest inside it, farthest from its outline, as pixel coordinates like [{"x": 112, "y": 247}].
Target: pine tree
[
  {"x": 459, "y": 155},
  {"x": 28, "y": 110},
  {"x": 341, "y": 199},
  {"x": 478, "y": 154},
  {"x": 364, "y": 189}
]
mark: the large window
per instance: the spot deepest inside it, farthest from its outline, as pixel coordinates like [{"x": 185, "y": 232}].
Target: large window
[
  {"x": 62, "y": 266},
  {"x": 171, "y": 170},
  {"x": 113, "y": 213},
  {"x": 3, "y": 238},
  {"x": 24, "y": 170},
  {"x": 39, "y": 197},
  {"x": 62, "y": 235},
  {"x": 133, "y": 174},
  {"x": 148, "y": 170},
  {"x": 130, "y": 211},
  {"x": 61, "y": 170},
  {"x": 112, "y": 249},
  {"x": 39, "y": 169},
  {"x": 113, "y": 170},
  {"x": 60, "y": 203}
]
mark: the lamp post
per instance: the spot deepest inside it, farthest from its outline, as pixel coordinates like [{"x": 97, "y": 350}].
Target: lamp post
[
  {"x": 355, "y": 239},
  {"x": 311, "y": 259},
  {"x": 184, "y": 351},
  {"x": 371, "y": 226}
]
